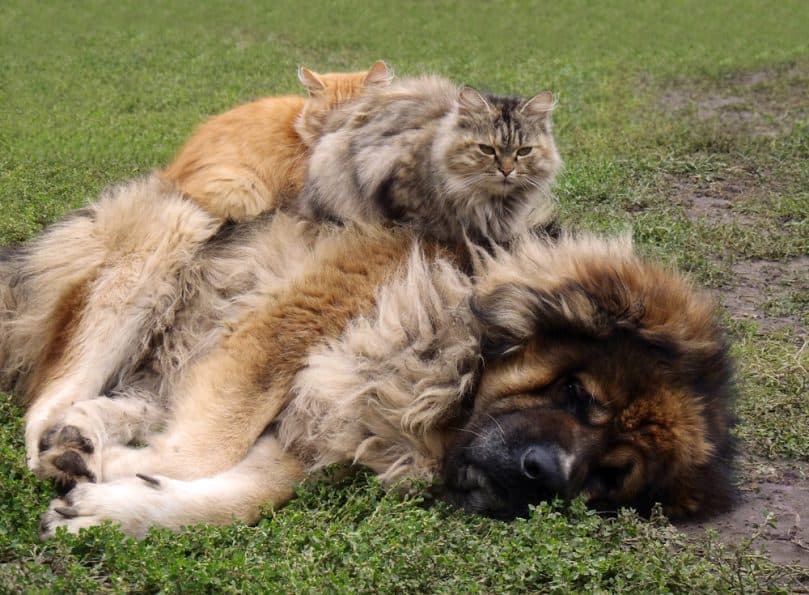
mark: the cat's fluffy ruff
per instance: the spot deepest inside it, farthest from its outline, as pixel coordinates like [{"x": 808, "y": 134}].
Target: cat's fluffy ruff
[{"x": 413, "y": 152}]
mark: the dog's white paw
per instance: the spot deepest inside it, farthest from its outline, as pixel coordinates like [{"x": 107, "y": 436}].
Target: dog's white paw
[
  {"x": 131, "y": 502},
  {"x": 46, "y": 410},
  {"x": 69, "y": 455},
  {"x": 33, "y": 436}
]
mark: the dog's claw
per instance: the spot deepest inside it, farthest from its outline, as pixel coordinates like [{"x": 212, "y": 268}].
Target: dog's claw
[
  {"x": 152, "y": 481},
  {"x": 67, "y": 512}
]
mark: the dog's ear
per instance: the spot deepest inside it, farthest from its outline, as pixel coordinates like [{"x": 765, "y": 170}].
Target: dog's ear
[
  {"x": 512, "y": 314},
  {"x": 507, "y": 316}
]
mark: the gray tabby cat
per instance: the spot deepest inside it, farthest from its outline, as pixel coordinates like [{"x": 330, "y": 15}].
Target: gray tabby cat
[{"x": 447, "y": 160}]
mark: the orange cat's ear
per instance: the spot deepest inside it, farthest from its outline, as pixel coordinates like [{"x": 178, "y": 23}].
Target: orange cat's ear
[
  {"x": 470, "y": 101},
  {"x": 378, "y": 75},
  {"x": 539, "y": 105},
  {"x": 310, "y": 80}
]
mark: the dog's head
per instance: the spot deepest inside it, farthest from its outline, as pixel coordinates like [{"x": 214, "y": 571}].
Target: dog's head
[{"x": 605, "y": 376}]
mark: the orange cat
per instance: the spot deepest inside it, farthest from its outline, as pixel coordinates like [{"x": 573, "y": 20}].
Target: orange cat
[{"x": 253, "y": 158}]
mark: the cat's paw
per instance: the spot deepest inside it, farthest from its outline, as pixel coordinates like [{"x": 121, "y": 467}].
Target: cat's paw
[
  {"x": 69, "y": 455},
  {"x": 131, "y": 502}
]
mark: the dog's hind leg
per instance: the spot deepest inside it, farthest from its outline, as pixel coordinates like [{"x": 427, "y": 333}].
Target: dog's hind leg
[
  {"x": 266, "y": 476},
  {"x": 101, "y": 285}
]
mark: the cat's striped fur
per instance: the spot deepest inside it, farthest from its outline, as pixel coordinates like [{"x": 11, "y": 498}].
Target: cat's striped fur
[{"x": 447, "y": 160}]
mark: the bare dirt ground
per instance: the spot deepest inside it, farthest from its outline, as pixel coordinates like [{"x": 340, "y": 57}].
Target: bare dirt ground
[
  {"x": 762, "y": 282},
  {"x": 715, "y": 200},
  {"x": 774, "y": 495},
  {"x": 747, "y": 102},
  {"x": 773, "y": 510},
  {"x": 758, "y": 286}
]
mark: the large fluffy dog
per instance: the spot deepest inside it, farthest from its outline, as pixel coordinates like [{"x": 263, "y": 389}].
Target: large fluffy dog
[{"x": 246, "y": 359}]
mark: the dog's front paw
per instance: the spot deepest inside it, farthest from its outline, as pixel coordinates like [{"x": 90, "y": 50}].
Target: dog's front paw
[
  {"x": 132, "y": 503},
  {"x": 34, "y": 432},
  {"x": 74, "y": 511},
  {"x": 68, "y": 455}
]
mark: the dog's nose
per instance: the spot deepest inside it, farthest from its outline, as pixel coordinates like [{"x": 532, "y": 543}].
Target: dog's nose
[{"x": 541, "y": 463}]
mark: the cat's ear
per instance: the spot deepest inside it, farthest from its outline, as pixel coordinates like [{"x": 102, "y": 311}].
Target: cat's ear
[
  {"x": 310, "y": 80},
  {"x": 470, "y": 101},
  {"x": 539, "y": 106},
  {"x": 379, "y": 75}
]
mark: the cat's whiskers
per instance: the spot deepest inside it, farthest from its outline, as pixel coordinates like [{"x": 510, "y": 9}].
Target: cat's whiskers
[
  {"x": 538, "y": 183},
  {"x": 465, "y": 182},
  {"x": 543, "y": 189}
]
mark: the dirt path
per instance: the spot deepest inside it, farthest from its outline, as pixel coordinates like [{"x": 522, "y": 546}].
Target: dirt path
[
  {"x": 774, "y": 507},
  {"x": 774, "y": 495}
]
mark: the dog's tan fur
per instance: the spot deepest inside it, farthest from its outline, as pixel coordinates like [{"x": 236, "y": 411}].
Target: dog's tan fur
[
  {"x": 91, "y": 292},
  {"x": 269, "y": 350}
]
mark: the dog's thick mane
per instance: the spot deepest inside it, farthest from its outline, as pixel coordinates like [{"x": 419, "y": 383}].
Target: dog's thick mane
[{"x": 383, "y": 393}]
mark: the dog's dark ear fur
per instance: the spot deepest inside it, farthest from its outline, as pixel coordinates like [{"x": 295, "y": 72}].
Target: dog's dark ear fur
[
  {"x": 512, "y": 314},
  {"x": 508, "y": 318}
]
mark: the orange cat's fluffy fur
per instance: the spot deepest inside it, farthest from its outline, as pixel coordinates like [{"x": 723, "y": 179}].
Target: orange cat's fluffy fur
[{"x": 251, "y": 159}]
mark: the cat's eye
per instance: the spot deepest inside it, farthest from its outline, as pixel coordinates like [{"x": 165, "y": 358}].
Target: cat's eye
[
  {"x": 486, "y": 149},
  {"x": 523, "y": 151}
]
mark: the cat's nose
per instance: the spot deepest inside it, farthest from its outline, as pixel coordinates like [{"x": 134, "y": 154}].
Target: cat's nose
[{"x": 506, "y": 168}]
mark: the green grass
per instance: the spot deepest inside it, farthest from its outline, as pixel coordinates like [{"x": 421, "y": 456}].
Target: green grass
[
  {"x": 354, "y": 538},
  {"x": 100, "y": 92}
]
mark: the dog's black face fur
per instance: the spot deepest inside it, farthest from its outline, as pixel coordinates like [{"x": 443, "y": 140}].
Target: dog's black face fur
[
  {"x": 582, "y": 394},
  {"x": 510, "y": 459}
]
